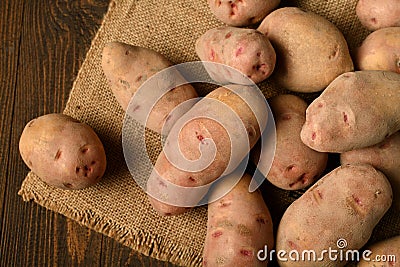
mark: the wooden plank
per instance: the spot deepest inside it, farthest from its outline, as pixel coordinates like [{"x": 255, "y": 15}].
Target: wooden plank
[
  {"x": 119, "y": 256},
  {"x": 10, "y": 11},
  {"x": 54, "y": 39},
  {"x": 43, "y": 44}
]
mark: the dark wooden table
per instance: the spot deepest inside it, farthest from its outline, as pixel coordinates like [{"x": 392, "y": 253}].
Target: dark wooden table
[{"x": 43, "y": 44}]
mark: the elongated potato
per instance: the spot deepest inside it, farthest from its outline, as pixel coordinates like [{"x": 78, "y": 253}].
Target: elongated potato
[
  {"x": 385, "y": 253},
  {"x": 211, "y": 139},
  {"x": 385, "y": 157},
  {"x": 241, "y": 12},
  {"x": 62, "y": 151},
  {"x": 311, "y": 51},
  {"x": 239, "y": 225},
  {"x": 358, "y": 109},
  {"x": 246, "y": 50},
  {"x": 127, "y": 67},
  {"x": 380, "y": 14},
  {"x": 295, "y": 165},
  {"x": 380, "y": 51},
  {"x": 338, "y": 212}
]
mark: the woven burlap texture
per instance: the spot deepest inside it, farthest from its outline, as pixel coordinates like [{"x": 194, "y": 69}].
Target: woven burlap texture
[{"x": 116, "y": 206}]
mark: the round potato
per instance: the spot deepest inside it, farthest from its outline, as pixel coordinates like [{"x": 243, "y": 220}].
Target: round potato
[
  {"x": 62, "y": 151},
  {"x": 295, "y": 165},
  {"x": 246, "y": 50},
  {"x": 241, "y": 12},
  {"x": 343, "y": 207},
  {"x": 377, "y": 14},
  {"x": 311, "y": 51},
  {"x": 358, "y": 109},
  {"x": 380, "y": 51}
]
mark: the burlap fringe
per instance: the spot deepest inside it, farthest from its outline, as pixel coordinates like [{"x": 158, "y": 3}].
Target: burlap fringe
[
  {"x": 153, "y": 246},
  {"x": 142, "y": 242}
]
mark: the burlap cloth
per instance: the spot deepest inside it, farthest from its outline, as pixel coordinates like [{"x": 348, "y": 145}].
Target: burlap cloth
[{"x": 117, "y": 207}]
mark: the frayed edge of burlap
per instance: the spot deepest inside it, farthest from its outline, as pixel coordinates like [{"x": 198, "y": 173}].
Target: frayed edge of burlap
[{"x": 140, "y": 241}]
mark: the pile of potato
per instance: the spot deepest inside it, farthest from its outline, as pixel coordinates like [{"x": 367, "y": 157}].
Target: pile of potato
[{"x": 356, "y": 114}]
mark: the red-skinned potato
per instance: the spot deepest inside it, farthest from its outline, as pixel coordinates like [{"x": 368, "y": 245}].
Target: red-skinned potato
[
  {"x": 310, "y": 50},
  {"x": 358, "y": 109},
  {"x": 377, "y": 14},
  {"x": 241, "y": 12},
  {"x": 385, "y": 157},
  {"x": 239, "y": 225},
  {"x": 246, "y": 50},
  {"x": 380, "y": 51},
  {"x": 195, "y": 140},
  {"x": 346, "y": 204},
  {"x": 62, "y": 151},
  {"x": 295, "y": 165},
  {"x": 127, "y": 67}
]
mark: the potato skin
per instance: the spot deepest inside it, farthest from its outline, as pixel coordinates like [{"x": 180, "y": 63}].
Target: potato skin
[
  {"x": 295, "y": 165},
  {"x": 375, "y": 14},
  {"x": 386, "y": 247},
  {"x": 380, "y": 51},
  {"x": 127, "y": 67},
  {"x": 246, "y": 50},
  {"x": 62, "y": 151},
  {"x": 311, "y": 51},
  {"x": 347, "y": 203},
  {"x": 239, "y": 225},
  {"x": 358, "y": 109},
  {"x": 385, "y": 157},
  {"x": 241, "y": 12},
  {"x": 193, "y": 135}
]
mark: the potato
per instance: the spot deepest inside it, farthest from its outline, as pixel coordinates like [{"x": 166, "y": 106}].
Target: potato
[
  {"x": 358, "y": 109},
  {"x": 346, "y": 204},
  {"x": 380, "y": 51},
  {"x": 375, "y": 14},
  {"x": 62, "y": 151},
  {"x": 127, "y": 67},
  {"x": 295, "y": 165},
  {"x": 382, "y": 254},
  {"x": 241, "y": 12},
  {"x": 385, "y": 157},
  {"x": 246, "y": 50},
  {"x": 207, "y": 123},
  {"x": 311, "y": 51},
  {"x": 239, "y": 225}
]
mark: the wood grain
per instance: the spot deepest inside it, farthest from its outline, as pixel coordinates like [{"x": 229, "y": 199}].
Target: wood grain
[
  {"x": 9, "y": 52},
  {"x": 42, "y": 46}
]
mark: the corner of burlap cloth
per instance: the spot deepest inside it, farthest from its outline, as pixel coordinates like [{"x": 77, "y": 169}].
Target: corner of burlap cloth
[{"x": 117, "y": 206}]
